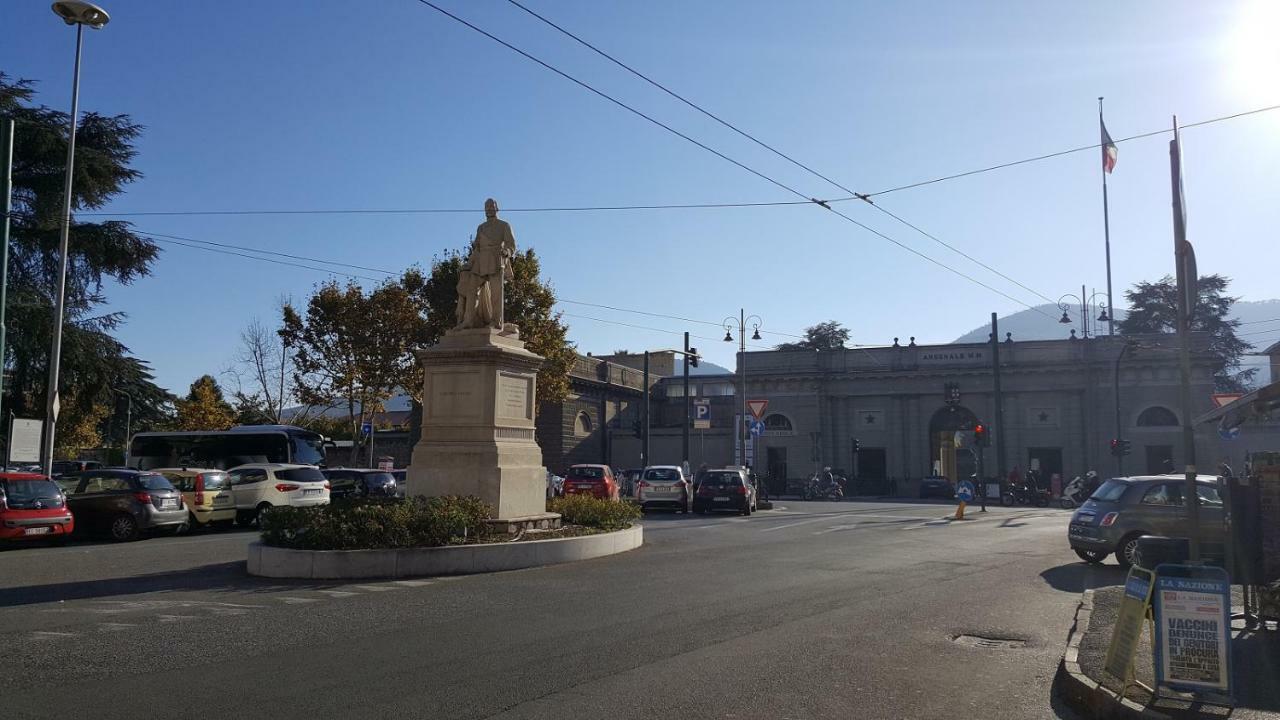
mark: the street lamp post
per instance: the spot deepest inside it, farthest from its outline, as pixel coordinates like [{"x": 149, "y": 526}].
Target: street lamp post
[
  {"x": 128, "y": 422},
  {"x": 742, "y": 321},
  {"x": 1086, "y": 302},
  {"x": 78, "y": 14}
]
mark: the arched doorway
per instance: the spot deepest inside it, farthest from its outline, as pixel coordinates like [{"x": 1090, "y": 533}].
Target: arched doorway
[{"x": 952, "y": 462}]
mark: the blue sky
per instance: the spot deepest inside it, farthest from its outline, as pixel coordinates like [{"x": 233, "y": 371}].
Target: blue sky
[{"x": 388, "y": 104}]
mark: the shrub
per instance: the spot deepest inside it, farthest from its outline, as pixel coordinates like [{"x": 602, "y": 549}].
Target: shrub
[
  {"x": 364, "y": 525},
  {"x": 594, "y": 512}
]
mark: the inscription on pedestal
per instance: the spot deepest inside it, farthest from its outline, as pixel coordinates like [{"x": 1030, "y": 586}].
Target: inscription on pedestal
[
  {"x": 454, "y": 394},
  {"x": 515, "y": 396}
]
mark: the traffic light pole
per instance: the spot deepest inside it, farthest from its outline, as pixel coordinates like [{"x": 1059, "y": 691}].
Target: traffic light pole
[
  {"x": 644, "y": 408},
  {"x": 688, "y": 404},
  {"x": 999, "y": 401},
  {"x": 1115, "y": 391}
]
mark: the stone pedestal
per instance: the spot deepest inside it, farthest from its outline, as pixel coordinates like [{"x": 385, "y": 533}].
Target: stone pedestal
[{"x": 477, "y": 425}]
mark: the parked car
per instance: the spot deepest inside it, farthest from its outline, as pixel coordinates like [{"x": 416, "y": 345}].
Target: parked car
[
  {"x": 664, "y": 486},
  {"x": 62, "y": 467},
  {"x": 594, "y": 480},
  {"x": 401, "y": 477},
  {"x": 207, "y": 494},
  {"x": 33, "y": 507},
  {"x": 347, "y": 483},
  {"x": 725, "y": 489},
  {"x": 937, "y": 487},
  {"x": 258, "y": 487},
  {"x": 628, "y": 481},
  {"x": 1124, "y": 509},
  {"x": 123, "y": 503}
]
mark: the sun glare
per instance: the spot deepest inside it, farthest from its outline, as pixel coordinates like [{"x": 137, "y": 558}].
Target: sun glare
[{"x": 1253, "y": 47}]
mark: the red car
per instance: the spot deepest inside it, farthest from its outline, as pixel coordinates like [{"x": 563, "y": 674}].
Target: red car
[
  {"x": 594, "y": 480},
  {"x": 33, "y": 507}
]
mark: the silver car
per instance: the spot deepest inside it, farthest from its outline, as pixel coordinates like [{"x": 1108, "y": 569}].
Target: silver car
[
  {"x": 1124, "y": 509},
  {"x": 664, "y": 486}
]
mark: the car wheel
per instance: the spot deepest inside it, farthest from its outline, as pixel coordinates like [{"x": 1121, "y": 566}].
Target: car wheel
[
  {"x": 1093, "y": 557},
  {"x": 1127, "y": 550},
  {"x": 263, "y": 510},
  {"x": 1066, "y": 502},
  {"x": 124, "y": 528},
  {"x": 1006, "y": 500}
]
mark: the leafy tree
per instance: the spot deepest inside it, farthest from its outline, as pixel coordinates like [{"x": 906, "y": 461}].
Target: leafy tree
[
  {"x": 205, "y": 408},
  {"x": 529, "y": 303},
  {"x": 93, "y": 363},
  {"x": 1153, "y": 308},
  {"x": 829, "y": 335},
  {"x": 354, "y": 349}
]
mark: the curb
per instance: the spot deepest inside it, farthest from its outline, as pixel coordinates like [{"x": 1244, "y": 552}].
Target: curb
[
  {"x": 1082, "y": 692},
  {"x": 274, "y": 562}
]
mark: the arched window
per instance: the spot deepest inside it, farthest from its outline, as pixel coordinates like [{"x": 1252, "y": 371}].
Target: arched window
[
  {"x": 582, "y": 426},
  {"x": 777, "y": 422},
  {"x": 1157, "y": 416}
]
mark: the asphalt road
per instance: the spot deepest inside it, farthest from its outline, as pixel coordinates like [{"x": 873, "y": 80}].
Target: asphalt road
[{"x": 814, "y": 610}]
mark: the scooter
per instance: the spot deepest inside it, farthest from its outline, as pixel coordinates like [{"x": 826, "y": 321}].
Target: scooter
[
  {"x": 815, "y": 489},
  {"x": 1073, "y": 495}
]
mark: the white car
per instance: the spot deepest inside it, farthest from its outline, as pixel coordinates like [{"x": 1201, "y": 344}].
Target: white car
[{"x": 258, "y": 487}]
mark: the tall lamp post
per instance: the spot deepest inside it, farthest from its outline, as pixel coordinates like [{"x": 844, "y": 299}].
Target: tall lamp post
[
  {"x": 79, "y": 14},
  {"x": 1086, "y": 302},
  {"x": 742, "y": 320}
]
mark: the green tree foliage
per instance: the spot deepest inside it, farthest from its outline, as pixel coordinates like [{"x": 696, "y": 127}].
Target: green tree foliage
[
  {"x": 1153, "y": 308},
  {"x": 829, "y": 335},
  {"x": 529, "y": 303},
  {"x": 352, "y": 349},
  {"x": 205, "y": 407},
  {"x": 94, "y": 364}
]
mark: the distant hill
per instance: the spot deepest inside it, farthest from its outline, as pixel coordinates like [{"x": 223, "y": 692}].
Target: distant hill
[{"x": 1032, "y": 325}]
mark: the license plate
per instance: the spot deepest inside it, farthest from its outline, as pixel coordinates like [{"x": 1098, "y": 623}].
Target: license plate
[
  {"x": 168, "y": 504},
  {"x": 723, "y": 499},
  {"x": 310, "y": 492},
  {"x": 37, "y": 531}
]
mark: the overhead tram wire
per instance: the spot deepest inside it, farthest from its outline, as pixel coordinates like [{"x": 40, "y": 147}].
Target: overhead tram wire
[
  {"x": 670, "y": 206},
  {"x": 775, "y": 151},
  {"x": 721, "y": 155},
  {"x": 217, "y": 247}
]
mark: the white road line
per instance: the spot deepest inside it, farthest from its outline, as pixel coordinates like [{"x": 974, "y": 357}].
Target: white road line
[
  {"x": 175, "y": 618},
  {"x": 337, "y": 593},
  {"x": 835, "y": 528},
  {"x": 373, "y": 588},
  {"x": 114, "y": 626},
  {"x": 50, "y": 635},
  {"x": 297, "y": 600},
  {"x": 796, "y": 524},
  {"x": 414, "y": 583},
  {"x": 228, "y": 611}
]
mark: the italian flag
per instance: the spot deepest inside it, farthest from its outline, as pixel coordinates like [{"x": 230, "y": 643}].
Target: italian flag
[{"x": 1109, "y": 151}]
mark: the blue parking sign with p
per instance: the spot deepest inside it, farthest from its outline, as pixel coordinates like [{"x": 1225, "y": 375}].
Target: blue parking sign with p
[{"x": 702, "y": 411}]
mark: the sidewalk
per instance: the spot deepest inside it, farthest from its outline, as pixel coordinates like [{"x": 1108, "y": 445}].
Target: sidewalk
[{"x": 1255, "y": 661}]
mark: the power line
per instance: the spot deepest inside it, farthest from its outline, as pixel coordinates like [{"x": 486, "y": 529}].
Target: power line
[
  {"x": 270, "y": 252},
  {"x": 771, "y": 148},
  {"x": 717, "y": 153},
  {"x": 448, "y": 211},
  {"x": 1060, "y": 153},
  {"x": 263, "y": 259},
  {"x": 1259, "y": 322}
]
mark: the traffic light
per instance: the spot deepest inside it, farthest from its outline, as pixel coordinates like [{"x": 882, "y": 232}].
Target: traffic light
[
  {"x": 857, "y": 445},
  {"x": 1120, "y": 448},
  {"x": 693, "y": 357},
  {"x": 980, "y": 437}
]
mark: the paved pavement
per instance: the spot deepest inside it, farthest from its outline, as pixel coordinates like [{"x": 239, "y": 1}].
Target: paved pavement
[{"x": 814, "y": 610}]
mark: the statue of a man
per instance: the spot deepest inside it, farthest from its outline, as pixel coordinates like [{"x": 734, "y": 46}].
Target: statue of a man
[{"x": 489, "y": 266}]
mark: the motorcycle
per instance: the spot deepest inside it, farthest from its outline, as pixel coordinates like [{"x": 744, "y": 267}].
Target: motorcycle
[
  {"x": 1024, "y": 494},
  {"x": 816, "y": 489},
  {"x": 1073, "y": 495}
]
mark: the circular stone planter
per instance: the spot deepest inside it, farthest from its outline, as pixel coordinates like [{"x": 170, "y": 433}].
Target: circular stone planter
[{"x": 275, "y": 562}]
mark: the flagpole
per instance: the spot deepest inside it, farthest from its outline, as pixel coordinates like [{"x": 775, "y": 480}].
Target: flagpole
[
  {"x": 1184, "y": 257},
  {"x": 1106, "y": 232}
]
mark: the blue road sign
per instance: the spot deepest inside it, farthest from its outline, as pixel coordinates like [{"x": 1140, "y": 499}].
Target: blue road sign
[
  {"x": 965, "y": 491},
  {"x": 757, "y": 428},
  {"x": 366, "y": 428},
  {"x": 701, "y": 411},
  {"x": 1229, "y": 433}
]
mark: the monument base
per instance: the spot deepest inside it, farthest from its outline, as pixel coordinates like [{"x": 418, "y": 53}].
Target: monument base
[{"x": 478, "y": 425}]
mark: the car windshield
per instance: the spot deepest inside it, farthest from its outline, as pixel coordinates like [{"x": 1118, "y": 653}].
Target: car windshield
[
  {"x": 213, "y": 481},
  {"x": 304, "y": 474},
  {"x": 25, "y": 491},
  {"x": 722, "y": 478},
  {"x": 1208, "y": 494},
  {"x": 586, "y": 473},
  {"x": 662, "y": 474},
  {"x": 155, "y": 482},
  {"x": 1111, "y": 491}
]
